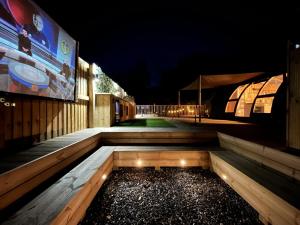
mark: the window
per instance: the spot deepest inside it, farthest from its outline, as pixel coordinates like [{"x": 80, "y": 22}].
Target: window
[
  {"x": 230, "y": 106},
  {"x": 247, "y": 99},
  {"x": 263, "y": 105},
  {"x": 272, "y": 85},
  {"x": 259, "y": 96},
  {"x": 237, "y": 93}
]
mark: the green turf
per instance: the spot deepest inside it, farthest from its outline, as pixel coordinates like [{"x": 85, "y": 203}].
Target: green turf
[{"x": 145, "y": 123}]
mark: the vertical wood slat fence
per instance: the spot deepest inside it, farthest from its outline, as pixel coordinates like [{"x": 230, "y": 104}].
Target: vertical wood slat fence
[{"x": 35, "y": 119}]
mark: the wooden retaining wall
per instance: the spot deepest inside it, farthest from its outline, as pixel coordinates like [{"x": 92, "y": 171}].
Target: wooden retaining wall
[
  {"x": 141, "y": 156},
  {"x": 271, "y": 208},
  {"x": 276, "y": 159}
]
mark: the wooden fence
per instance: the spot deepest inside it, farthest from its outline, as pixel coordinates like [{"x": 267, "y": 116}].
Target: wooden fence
[{"x": 35, "y": 119}]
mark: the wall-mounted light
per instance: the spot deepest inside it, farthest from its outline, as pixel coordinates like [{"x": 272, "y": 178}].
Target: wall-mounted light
[
  {"x": 7, "y": 103},
  {"x": 104, "y": 176},
  {"x": 182, "y": 162},
  {"x": 139, "y": 162},
  {"x": 297, "y": 46},
  {"x": 224, "y": 177}
]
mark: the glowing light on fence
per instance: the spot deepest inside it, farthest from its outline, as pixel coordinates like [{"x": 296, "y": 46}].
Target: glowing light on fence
[
  {"x": 139, "y": 162},
  {"x": 182, "y": 162},
  {"x": 224, "y": 177}
]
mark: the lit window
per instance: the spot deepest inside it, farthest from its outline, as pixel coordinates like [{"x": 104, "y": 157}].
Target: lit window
[
  {"x": 272, "y": 85},
  {"x": 230, "y": 106},
  {"x": 247, "y": 99},
  {"x": 236, "y": 94},
  {"x": 263, "y": 105}
]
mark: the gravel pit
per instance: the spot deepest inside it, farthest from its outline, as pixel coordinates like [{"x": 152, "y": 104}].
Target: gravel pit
[{"x": 169, "y": 196}]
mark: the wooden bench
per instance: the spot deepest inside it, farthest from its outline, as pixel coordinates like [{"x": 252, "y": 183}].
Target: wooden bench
[
  {"x": 273, "y": 194},
  {"x": 264, "y": 155},
  {"x": 66, "y": 201},
  {"x": 26, "y": 170}
]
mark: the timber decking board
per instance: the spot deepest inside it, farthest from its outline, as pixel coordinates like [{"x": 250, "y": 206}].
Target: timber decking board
[
  {"x": 9, "y": 166},
  {"x": 42, "y": 149},
  {"x": 21, "y": 158},
  {"x": 280, "y": 184},
  {"x": 165, "y": 148}
]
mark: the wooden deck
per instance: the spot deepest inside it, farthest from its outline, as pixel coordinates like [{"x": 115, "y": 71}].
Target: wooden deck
[
  {"x": 44, "y": 148},
  {"x": 23, "y": 171}
]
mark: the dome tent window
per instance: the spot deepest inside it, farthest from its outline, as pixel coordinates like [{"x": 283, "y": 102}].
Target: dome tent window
[
  {"x": 230, "y": 107},
  {"x": 263, "y": 105},
  {"x": 231, "y": 104},
  {"x": 247, "y": 99},
  {"x": 254, "y": 97},
  {"x": 272, "y": 85}
]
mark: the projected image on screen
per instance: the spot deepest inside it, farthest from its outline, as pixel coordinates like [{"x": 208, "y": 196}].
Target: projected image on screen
[{"x": 37, "y": 56}]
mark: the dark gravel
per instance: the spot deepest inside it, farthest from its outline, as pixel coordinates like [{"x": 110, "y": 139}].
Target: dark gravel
[{"x": 170, "y": 196}]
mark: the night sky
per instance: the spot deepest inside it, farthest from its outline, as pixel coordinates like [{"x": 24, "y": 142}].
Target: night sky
[{"x": 145, "y": 46}]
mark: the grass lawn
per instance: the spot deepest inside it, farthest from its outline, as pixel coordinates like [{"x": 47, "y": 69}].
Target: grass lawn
[{"x": 145, "y": 123}]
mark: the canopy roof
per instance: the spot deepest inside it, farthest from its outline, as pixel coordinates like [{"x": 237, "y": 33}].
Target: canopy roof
[{"x": 213, "y": 81}]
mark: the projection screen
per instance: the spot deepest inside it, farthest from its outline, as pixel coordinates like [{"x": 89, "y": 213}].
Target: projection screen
[{"x": 37, "y": 57}]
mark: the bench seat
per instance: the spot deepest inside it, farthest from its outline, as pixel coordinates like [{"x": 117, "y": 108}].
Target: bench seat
[{"x": 274, "y": 195}]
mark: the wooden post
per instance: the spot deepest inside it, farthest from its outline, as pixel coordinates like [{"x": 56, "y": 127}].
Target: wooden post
[
  {"x": 199, "y": 98},
  {"x": 178, "y": 108},
  {"x": 293, "y": 98},
  {"x": 91, "y": 94}
]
